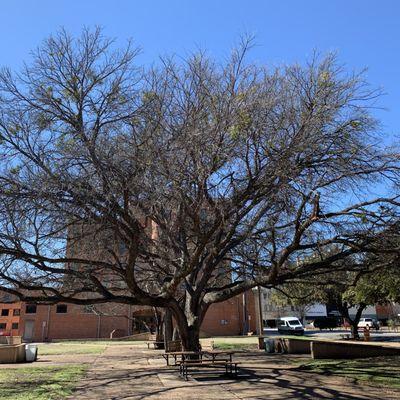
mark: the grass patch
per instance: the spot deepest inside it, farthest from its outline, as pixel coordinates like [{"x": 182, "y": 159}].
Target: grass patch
[
  {"x": 82, "y": 346},
  {"x": 42, "y": 383},
  {"x": 102, "y": 342},
  {"x": 236, "y": 343},
  {"x": 69, "y": 348},
  {"x": 377, "y": 371},
  {"x": 235, "y": 346}
]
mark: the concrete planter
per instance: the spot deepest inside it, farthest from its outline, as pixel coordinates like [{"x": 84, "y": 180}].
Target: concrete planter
[
  {"x": 292, "y": 346},
  {"x": 325, "y": 349},
  {"x": 3, "y": 339},
  {"x": 12, "y": 353},
  {"x": 14, "y": 339}
]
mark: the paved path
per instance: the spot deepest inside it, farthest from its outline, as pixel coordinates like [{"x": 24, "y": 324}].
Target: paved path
[{"x": 133, "y": 373}]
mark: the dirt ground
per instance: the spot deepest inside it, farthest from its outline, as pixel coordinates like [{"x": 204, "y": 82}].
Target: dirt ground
[{"x": 133, "y": 372}]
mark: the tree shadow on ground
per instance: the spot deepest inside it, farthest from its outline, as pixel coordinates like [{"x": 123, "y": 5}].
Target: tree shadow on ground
[{"x": 257, "y": 383}]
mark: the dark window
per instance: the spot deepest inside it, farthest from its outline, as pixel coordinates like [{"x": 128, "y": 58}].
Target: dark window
[
  {"x": 2, "y": 325},
  {"x": 14, "y": 325},
  {"x": 30, "y": 309},
  {"x": 5, "y": 312},
  {"x": 61, "y": 309},
  {"x": 16, "y": 312}
]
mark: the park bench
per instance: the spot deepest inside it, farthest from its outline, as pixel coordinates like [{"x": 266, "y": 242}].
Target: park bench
[
  {"x": 230, "y": 367},
  {"x": 155, "y": 341}
]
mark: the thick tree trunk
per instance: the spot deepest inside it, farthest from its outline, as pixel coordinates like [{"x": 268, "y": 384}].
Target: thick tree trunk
[
  {"x": 343, "y": 308},
  {"x": 189, "y": 323},
  {"x": 167, "y": 327},
  {"x": 191, "y": 339},
  {"x": 354, "y": 330},
  {"x": 355, "y": 321}
]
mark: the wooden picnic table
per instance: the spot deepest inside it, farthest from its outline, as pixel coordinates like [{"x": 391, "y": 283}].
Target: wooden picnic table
[
  {"x": 215, "y": 353},
  {"x": 182, "y": 354},
  {"x": 187, "y": 354}
]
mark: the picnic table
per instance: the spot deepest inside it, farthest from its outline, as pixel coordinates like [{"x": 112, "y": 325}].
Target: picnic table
[
  {"x": 182, "y": 354},
  {"x": 204, "y": 361},
  {"x": 215, "y": 353}
]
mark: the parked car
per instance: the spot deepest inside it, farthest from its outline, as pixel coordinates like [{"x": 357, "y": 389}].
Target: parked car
[
  {"x": 290, "y": 325},
  {"x": 368, "y": 323},
  {"x": 325, "y": 323}
]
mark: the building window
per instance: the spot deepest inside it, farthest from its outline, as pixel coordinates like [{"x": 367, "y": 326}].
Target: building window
[
  {"x": 14, "y": 325},
  {"x": 5, "y": 312},
  {"x": 61, "y": 309},
  {"x": 3, "y": 325},
  {"x": 16, "y": 312},
  {"x": 30, "y": 309}
]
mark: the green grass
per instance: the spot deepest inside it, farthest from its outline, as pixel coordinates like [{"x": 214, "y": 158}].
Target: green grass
[
  {"x": 235, "y": 346},
  {"x": 236, "y": 343},
  {"x": 101, "y": 342},
  {"x": 68, "y": 348},
  {"x": 81, "y": 346},
  {"x": 41, "y": 383},
  {"x": 378, "y": 371}
]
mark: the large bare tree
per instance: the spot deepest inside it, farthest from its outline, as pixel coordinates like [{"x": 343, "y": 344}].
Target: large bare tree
[{"x": 183, "y": 184}]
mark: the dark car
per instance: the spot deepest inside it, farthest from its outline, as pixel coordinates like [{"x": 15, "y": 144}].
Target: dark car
[{"x": 325, "y": 323}]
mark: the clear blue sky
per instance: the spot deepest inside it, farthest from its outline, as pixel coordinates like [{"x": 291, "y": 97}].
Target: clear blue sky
[{"x": 365, "y": 33}]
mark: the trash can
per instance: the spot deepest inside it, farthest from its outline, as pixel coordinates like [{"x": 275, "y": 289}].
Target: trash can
[
  {"x": 269, "y": 345},
  {"x": 31, "y": 352}
]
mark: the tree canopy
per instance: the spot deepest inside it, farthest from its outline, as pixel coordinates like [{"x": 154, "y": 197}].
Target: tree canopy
[{"x": 190, "y": 181}]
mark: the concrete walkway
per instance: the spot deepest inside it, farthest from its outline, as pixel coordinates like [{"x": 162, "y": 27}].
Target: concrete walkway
[{"x": 132, "y": 372}]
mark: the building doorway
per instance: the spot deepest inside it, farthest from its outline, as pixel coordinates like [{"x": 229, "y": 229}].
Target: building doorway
[{"x": 28, "y": 330}]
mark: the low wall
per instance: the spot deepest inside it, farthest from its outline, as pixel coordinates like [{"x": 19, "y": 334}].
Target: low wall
[
  {"x": 292, "y": 346},
  {"x": 325, "y": 349},
  {"x": 14, "y": 339},
  {"x": 12, "y": 353}
]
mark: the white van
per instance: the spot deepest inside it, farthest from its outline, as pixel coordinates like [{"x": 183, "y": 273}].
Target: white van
[{"x": 290, "y": 325}]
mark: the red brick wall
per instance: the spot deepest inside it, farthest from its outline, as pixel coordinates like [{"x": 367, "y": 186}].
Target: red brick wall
[
  {"x": 226, "y": 318},
  {"x": 222, "y": 319},
  {"x": 75, "y": 324}
]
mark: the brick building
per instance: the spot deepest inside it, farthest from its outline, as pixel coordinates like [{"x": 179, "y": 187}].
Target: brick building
[
  {"x": 68, "y": 321},
  {"x": 10, "y": 317}
]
